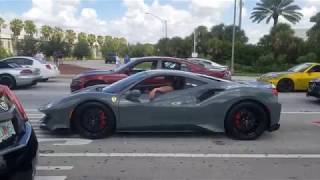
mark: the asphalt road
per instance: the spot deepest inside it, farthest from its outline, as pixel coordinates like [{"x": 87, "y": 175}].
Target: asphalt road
[{"x": 293, "y": 152}]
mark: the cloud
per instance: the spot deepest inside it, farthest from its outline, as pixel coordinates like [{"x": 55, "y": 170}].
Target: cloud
[{"x": 135, "y": 24}]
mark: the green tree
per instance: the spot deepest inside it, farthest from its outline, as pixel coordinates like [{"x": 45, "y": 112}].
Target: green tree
[
  {"x": 30, "y": 28},
  {"x": 100, "y": 40},
  {"x": 314, "y": 35},
  {"x": 272, "y": 9},
  {"x": 27, "y": 46},
  {"x": 82, "y": 49},
  {"x": 91, "y": 39},
  {"x": 3, "y": 53},
  {"x": 70, "y": 36},
  {"x": 2, "y": 26},
  {"x": 57, "y": 34},
  {"x": 82, "y": 36},
  {"x": 46, "y": 32},
  {"x": 16, "y": 26}
]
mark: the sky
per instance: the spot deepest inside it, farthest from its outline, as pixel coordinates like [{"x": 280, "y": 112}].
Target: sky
[{"x": 128, "y": 18}]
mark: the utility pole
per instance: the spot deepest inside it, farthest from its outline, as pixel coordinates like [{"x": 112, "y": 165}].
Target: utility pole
[
  {"x": 164, "y": 21},
  {"x": 240, "y": 13},
  {"x": 233, "y": 34},
  {"x": 194, "y": 53}
]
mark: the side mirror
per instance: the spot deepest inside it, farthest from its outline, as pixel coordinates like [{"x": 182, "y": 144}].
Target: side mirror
[{"x": 133, "y": 95}]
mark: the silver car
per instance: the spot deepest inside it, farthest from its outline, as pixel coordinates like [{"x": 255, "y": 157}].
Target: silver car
[{"x": 13, "y": 75}]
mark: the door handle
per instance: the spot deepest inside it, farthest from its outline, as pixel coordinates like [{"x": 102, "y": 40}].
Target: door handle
[{"x": 176, "y": 103}]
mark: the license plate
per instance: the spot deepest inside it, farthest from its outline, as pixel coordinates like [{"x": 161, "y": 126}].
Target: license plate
[{"x": 6, "y": 130}]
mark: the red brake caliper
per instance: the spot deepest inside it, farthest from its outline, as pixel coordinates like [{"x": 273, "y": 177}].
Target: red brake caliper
[
  {"x": 237, "y": 119},
  {"x": 102, "y": 118}
]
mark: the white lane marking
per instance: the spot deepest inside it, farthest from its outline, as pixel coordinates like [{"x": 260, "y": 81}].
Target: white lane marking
[
  {"x": 66, "y": 141},
  {"x": 301, "y": 112},
  {"x": 183, "y": 155},
  {"x": 50, "y": 177},
  {"x": 51, "y": 168}
]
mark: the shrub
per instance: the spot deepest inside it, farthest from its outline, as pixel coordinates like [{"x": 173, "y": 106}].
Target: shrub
[{"x": 3, "y": 53}]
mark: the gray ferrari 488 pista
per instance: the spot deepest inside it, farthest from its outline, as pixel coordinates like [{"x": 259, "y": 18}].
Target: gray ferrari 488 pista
[{"x": 163, "y": 100}]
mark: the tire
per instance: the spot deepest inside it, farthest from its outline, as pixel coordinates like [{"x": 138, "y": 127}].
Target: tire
[
  {"x": 94, "y": 120},
  {"x": 93, "y": 83},
  {"x": 8, "y": 80},
  {"x": 285, "y": 85},
  {"x": 45, "y": 80},
  {"x": 246, "y": 121}
]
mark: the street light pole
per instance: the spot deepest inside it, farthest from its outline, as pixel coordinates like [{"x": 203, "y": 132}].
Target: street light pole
[
  {"x": 233, "y": 34},
  {"x": 240, "y": 13},
  {"x": 164, "y": 21}
]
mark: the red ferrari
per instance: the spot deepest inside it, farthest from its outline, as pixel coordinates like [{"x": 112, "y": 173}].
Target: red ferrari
[
  {"x": 18, "y": 142},
  {"x": 96, "y": 77}
]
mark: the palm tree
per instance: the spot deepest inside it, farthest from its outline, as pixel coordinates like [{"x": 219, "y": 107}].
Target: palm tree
[
  {"x": 82, "y": 36},
  {"x": 30, "y": 28},
  {"x": 70, "y": 36},
  {"x": 2, "y": 26},
  {"x": 46, "y": 32},
  {"x": 16, "y": 26},
  {"x": 267, "y": 9},
  {"x": 100, "y": 40},
  {"x": 57, "y": 34},
  {"x": 91, "y": 39}
]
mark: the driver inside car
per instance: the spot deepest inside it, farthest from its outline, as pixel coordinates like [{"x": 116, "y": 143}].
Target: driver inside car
[{"x": 174, "y": 83}]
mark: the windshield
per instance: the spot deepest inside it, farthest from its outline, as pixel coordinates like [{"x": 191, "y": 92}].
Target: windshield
[
  {"x": 124, "y": 83},
  {"x": 299, "y": 68}
]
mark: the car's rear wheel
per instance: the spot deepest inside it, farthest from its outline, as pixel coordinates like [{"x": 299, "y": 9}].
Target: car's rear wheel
[
  {"x": 285, "y": 85},
  {"x": 94, "y": 120},
  {"x": 45, "y": 79},
  {"x": 246, "y": 121},
  {"x": 8, "y": 81}
]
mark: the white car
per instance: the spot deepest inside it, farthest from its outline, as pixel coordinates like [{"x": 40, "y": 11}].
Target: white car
[
  {"x": 212, "y": 66},
  {"x": 208, "y": 64},
  {"x": 47, "y": 70}
]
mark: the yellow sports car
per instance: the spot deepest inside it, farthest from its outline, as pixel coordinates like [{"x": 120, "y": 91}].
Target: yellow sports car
[{"x": 295, "y": 78}]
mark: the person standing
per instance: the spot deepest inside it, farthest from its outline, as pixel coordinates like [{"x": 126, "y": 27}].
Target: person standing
[
  {"x": 118, "y": 63},
  {"x": 126, "y": 59}
]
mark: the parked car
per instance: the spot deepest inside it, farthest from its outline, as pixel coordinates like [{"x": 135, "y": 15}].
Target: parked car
[
  {"x": 13, "y": 75},
  {"x": 195, "y": 102},
  {"x": 47, "y": 70},
  {"x": 110, "y": 58},
  {"x": 314, "y": 88},
  {"x": 18, "y": 143},
  {"x": 295, "y": 78},
  {"x": 91, "y": 78},
  {"x": 208, "y": 63}
]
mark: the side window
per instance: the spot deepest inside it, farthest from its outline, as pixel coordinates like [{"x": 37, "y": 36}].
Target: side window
[
  {"x": 315, "y": 69},
  {"x": 190, "y": 83},
  {"x": 14, "y": 60},
  {"x": 4, "y": 65},
  {"x": 27, "y": 62},
  {"x": 171, "y": 65},
  {"x": 146, "y": 65}
]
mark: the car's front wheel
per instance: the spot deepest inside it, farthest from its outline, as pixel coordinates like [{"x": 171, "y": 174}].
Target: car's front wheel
[
  {"x": 94, "y": 120},
  {"x": 285, "y": 85},
  {"x": 246, "y": 121},
  {"x": 8, "y": 80}
]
